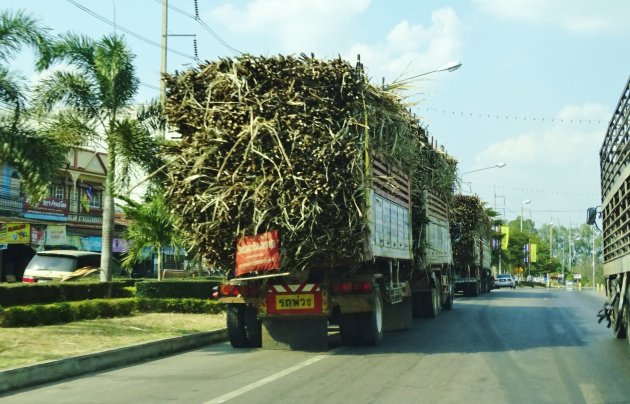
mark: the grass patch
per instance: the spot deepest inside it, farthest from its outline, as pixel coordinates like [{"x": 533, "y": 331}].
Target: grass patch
[{"x": 27, "y": 345}]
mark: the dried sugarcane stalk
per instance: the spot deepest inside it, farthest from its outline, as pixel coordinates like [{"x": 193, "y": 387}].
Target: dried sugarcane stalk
[{"x": 278, "y": 143}]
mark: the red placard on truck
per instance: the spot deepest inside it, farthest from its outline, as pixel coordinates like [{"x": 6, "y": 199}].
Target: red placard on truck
[{"x": 258, "y": 253}]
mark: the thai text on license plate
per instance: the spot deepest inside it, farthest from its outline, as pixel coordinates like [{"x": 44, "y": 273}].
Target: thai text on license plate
[{"x": 297, "y": 301}]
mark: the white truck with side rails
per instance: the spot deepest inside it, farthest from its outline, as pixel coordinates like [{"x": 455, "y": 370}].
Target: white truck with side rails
[{"x": 615, "y": 211}]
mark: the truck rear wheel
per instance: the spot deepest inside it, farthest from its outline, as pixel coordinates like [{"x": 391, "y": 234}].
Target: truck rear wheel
[
  {"x": 618, "y": 323},
  {"x": 236, "y": 325},
  {"x": 432, "y": 308},
  {"x": 476, "y": 289},
  {"x": 244, "y": 328},
  {"x": 624, "y": 319},
  {"x": 427, "y": 304},
  {"x": 370, "y": 325},
  {"x": 448, "y": 305},
  {"x": 253, "y": 327}
]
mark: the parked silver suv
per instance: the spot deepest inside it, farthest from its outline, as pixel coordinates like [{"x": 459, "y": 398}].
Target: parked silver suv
[{"x": 57, "y": 265}]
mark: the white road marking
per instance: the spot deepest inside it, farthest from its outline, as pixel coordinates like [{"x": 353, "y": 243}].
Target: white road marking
[
  {"x": 273, "y": 377},
  {"x": 591, "y": 394}
]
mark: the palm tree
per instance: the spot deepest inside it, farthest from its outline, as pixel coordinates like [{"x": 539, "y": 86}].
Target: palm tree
[
  {"x": 96, "y": 97},
  {"x": 17, "y": 29},
  {"x": 151, "y": 225},
  {"x": 19, "y": 140}
]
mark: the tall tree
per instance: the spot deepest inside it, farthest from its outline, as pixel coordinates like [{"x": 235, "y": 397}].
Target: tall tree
[
  {"x": 96, "y": 95},
  {"x": 153, "y": 225},
  {"x": 36, "y": 155}
]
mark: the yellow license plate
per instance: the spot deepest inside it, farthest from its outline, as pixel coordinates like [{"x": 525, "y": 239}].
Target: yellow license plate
[{"x": 292, "y": 302}]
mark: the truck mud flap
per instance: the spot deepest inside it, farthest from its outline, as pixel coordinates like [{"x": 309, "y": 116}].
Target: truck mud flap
[
  {"x": 309, "y": 334},
  {"x": 398, "y": 316}
]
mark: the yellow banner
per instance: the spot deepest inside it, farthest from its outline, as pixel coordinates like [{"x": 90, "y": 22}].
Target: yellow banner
[
  {"x": 505, "y": 230},
  {"x": 15, "y": 233},
  {"x": 532, "y": 252}
]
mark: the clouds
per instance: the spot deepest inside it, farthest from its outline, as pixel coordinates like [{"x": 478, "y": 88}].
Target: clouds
[
  {"x": 292, "y": 26},
  {"x": 329, "y": 28},
  {"x": 583, "y": 17},
  {"x": 564, "y": 144},
  {"x": 410, "y": 49},
  {"x": 557, "y": 166}
]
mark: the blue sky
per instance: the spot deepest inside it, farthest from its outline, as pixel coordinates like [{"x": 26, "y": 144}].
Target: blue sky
[{"x": 538, "y": 85}]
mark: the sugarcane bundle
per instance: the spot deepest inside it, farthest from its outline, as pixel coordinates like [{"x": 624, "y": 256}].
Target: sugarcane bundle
[
  {"x": 469, "y": 221},
  {"x": 282, "y": 143}
]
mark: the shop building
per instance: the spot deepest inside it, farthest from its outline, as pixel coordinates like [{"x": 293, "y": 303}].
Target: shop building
[{"x": 70, "y": 217}]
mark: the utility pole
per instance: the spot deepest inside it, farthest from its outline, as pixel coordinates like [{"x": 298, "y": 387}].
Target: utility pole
[
  {"x": 563, "y": 262},
  {"x": 164, "y": 46},
  {"x": 551, "y": 238},
  {"x": 571, "y": 240},
  {"x": 593, "y": 253}
]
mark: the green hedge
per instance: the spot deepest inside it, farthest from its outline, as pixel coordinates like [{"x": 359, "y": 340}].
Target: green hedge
[
  {"x": 42, "y": 293},
  {"x": 198, "y": 289},
  {"x": 64, "y": 312},
  {"x": 199, "y": 306}
]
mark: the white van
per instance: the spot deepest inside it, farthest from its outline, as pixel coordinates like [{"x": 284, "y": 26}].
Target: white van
[{"x": 57, "y": 265}]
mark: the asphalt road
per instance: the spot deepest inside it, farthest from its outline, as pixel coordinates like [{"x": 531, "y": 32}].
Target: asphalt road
[{"x": 508, "y": 346}]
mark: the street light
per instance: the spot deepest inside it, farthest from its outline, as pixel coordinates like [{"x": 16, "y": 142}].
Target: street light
[
  {"x": 498, "y": 165},
  {"x": 525, "y": 202},
  {"x": 451, "y": 67}
]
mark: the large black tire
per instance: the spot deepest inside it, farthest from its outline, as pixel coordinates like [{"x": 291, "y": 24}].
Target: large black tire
[
  {"x": 448, "y": 305},
  {"x": 618, "y": 324},
  {"x": 348, "y": 329},
  {"x": 253, "y": 327},
  {"x": 431, "y": 302},
  {"x": 436, "y": 294},
  {"x": 625, "y": 317},
  {"x": 370, "y": 325},
  {"x": 236, "y": 325}
]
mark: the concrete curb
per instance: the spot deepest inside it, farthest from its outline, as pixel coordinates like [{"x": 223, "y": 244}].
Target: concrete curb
[{"x": 50, "y": 371}]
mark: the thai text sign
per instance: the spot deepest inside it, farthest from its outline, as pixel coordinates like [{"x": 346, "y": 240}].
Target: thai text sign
[
  {"x": 258, "y": 253},
  {"x": 49, "y": 205}
]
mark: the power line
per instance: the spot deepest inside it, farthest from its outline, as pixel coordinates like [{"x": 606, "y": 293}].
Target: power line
[
  {"x": 540, "y": 191},
  {"x": 151, "y": 86},
  {"x": 510, "y": 117},
  {"x": 203, "y": 24},
  {"x": 140, "y": 37}
]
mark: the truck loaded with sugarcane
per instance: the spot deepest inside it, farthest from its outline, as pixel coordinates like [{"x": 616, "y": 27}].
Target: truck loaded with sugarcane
[
  {"x": 320, "y": 194},
  {"x": 471, "y": 233},
  {"x": 615, "y": 211}
]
